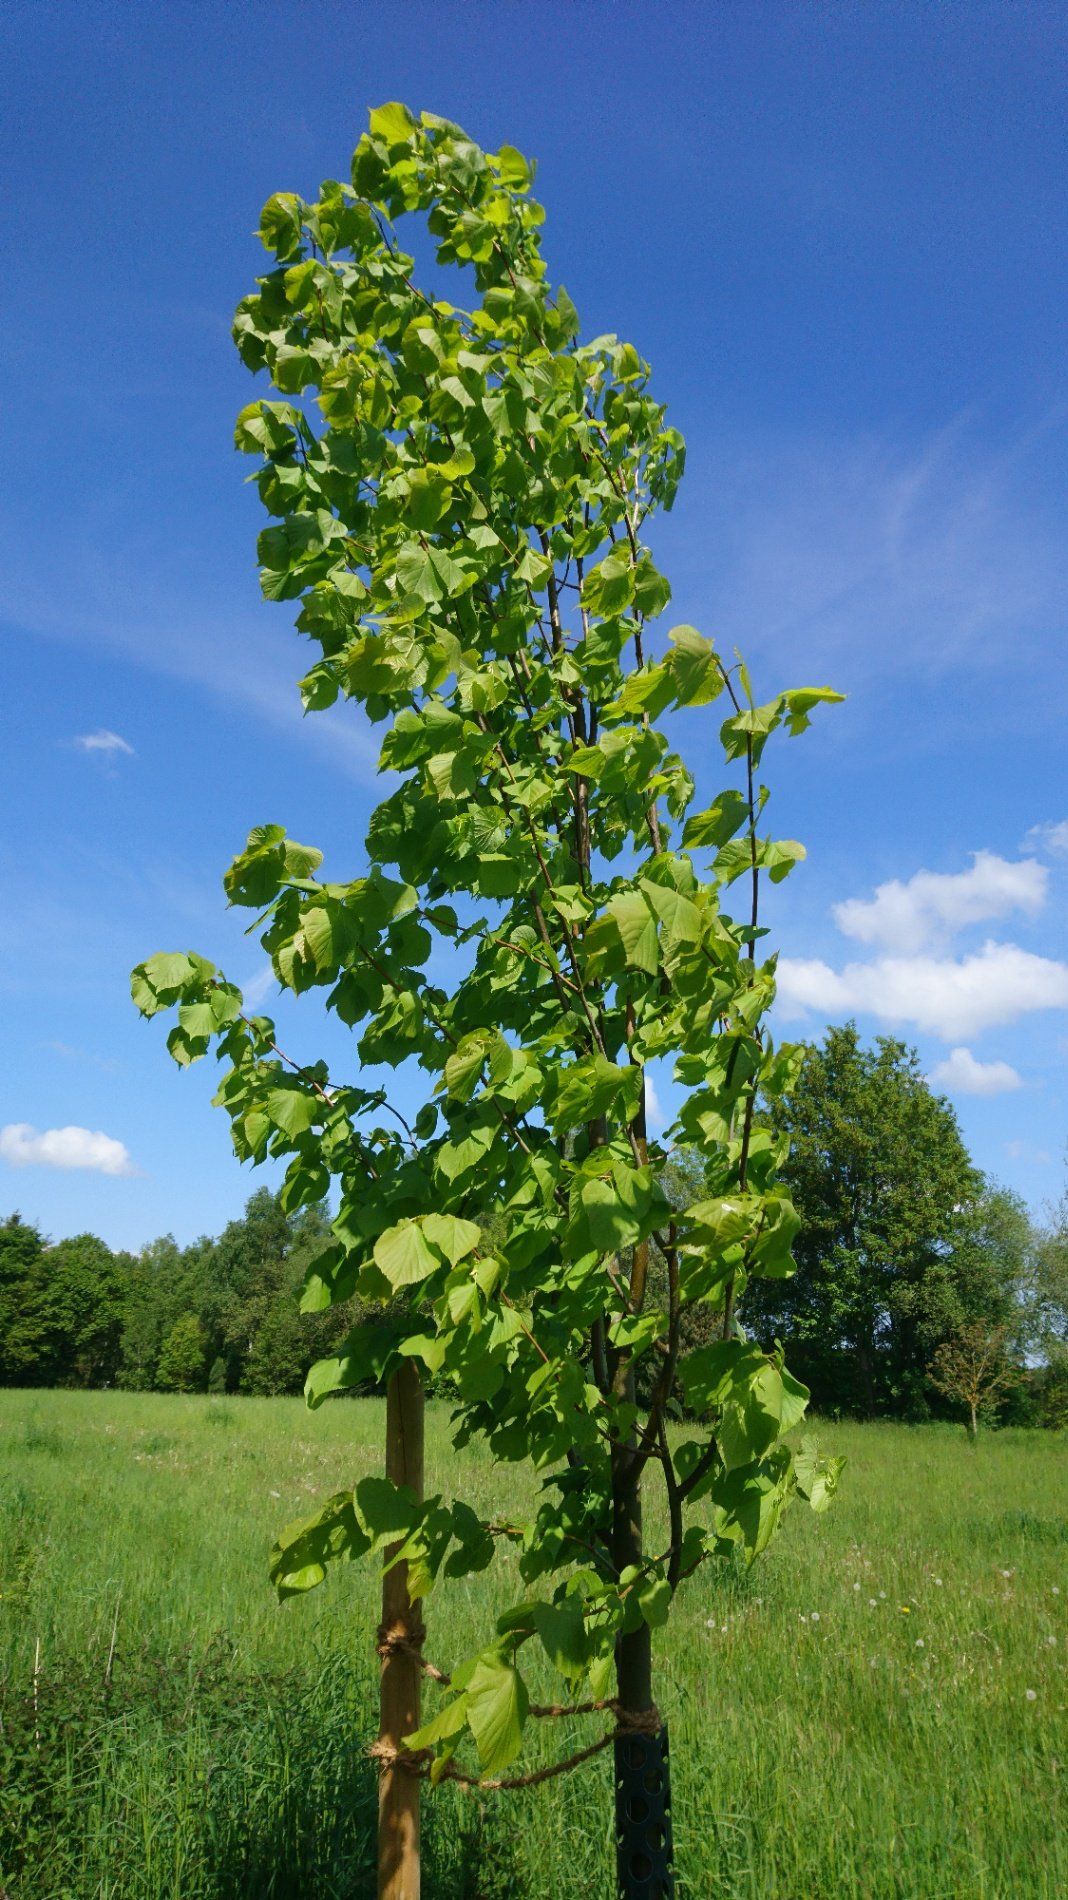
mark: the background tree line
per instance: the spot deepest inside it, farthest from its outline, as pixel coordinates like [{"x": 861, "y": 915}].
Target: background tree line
[{"x": 911, "y": 1269}]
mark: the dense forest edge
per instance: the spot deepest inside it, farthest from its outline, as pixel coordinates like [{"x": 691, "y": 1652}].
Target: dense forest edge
[{"x": 923, "y": 1289}]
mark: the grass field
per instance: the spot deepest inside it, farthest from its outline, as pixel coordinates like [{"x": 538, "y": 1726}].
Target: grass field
[{"x": 878, "y": 1709}]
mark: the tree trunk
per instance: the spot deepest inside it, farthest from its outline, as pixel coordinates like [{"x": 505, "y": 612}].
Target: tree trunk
[
  {"x": 973, "y": 1426},
  {"x": 643, "y": 1788},
  {"x": 398, "y": 1788},
  {"x": 634, "y": 1658}
]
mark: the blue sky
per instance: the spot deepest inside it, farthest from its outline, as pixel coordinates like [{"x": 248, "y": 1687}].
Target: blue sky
[{"x": 839, "y": 235}]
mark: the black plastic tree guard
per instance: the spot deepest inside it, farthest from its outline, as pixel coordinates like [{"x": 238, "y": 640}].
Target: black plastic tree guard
[{"x": 643, "y": 1818}]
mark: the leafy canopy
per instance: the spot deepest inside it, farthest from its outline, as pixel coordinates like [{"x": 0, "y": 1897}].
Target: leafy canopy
[
  {"x": 902, "y": 1242},
  {"x": 459, "y": 498}
]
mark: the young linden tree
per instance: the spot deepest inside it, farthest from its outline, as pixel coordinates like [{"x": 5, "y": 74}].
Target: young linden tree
[{"x": 460, "y": 497}]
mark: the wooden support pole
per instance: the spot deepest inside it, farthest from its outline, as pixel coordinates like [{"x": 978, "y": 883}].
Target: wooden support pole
[{"x": 398, "y": 1788}]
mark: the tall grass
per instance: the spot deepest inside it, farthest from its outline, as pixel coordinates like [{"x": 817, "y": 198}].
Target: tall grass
[{"x": 877, "y": 1709}]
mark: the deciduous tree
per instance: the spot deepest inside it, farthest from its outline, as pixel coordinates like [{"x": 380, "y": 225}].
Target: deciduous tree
[
  {"x": 67, "y": 1315},
  {"x": 182, "y": 1359},
  {"x": 973, "y": 1369},
  {"x": 461, "y": 497},
  {"x": 902, "y": 1241}
]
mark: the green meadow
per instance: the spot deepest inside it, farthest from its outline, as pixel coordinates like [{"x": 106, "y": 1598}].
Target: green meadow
[{"x": 878, "y": 1708}]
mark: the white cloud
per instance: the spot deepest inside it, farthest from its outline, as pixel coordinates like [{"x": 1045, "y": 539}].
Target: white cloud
[
  {"x": 962, "y": 1074},
  {"x": 954, "y": 998},
  {"x": 26, "y": 1147},
  {"x": 103, "y": 741},
  {"x": 1049, "y": 837},
  {"x": 931, "y": 905},
  {"x": 653, "y": 1105}
]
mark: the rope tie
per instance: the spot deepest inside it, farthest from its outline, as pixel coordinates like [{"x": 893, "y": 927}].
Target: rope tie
[
  {"x": 638, "y": 1721},
  {"x": 397, "y": 1642}
]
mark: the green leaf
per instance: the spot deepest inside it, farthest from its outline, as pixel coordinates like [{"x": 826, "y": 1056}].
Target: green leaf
[
  {"x": 453, "y": 1237},
  {"x": 428, "y": 499},
  {"x": 680, "y": 917},
  {"x": 280, "y": 225},
  {"x": 197, "y": 1019},
  {"x": 587, "y": 760},
  {"x": 402, "y": 1254},
  {"x": 429, "y": 573},
  {"x": 628, "y": 364},
  {"x": 801, "y": 700},
  {"x": 386, "y": 1511},
  {"x": 464, "y": 1066},
  {"x": 448, "y": 1721},
  {"x": 515, "y": 171},
  {"x": 562, "y": 1629},
  {"x": 164, "y": 977},
  {"x": 590, "y": 1088},
  {"x": 457, "y": 1158},
  {"x": 761, "y": 1408},
  {"x": 722, "y": 1222},
  {"x": 695, "y": 669},
  {"x": 750, "y": 1501},
  {"x": 302, "y": 1551},
  {"x": 617, "y": 1209},
  {"x": 654, "y": 1600},
  {"x": 817, "y": 1475},
  {"x": 184, "y": 1047},
  {"x": 366, "y": 1355},
  {"x": 779, "y": 857},
  {"x": 268, "y": 861},
  {"x": 650, "y": 690},
  {"x": 392, "y": 122},
  {"x": 609, "y": 587},
  {"x": 711, "y": 1373},
  {"x": 497, "y": 1705},
  {"x": 718, "y": 823},
  {"x": 636, "y": 924},
  {"x": 651, "y": 590},
  {"x": 293, "y": 1109}
]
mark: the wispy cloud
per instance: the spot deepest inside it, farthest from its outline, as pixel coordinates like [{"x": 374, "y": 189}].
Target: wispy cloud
[
  {"x": 104, "y": 742},
  {"x": 962, "y": 1074},
  {"x": 259, "y": 986},
  {"x": 1026, "y": 1151},
  {"x": 1051, "y": 837},
  {"x": 870, "y": 557},
  {"x": 72, "y": 1054},
  {"x": 252, "y": 661},
  {"x": 71, "y": 1147}
]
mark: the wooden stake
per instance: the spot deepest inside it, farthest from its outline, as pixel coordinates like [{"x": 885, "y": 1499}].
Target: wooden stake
[{"x": 398, "y": 1788}]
